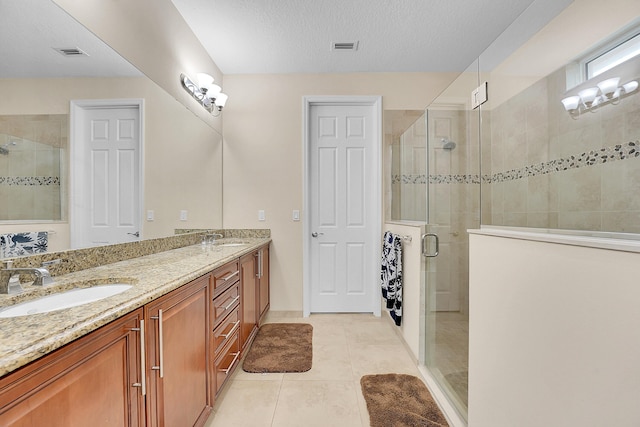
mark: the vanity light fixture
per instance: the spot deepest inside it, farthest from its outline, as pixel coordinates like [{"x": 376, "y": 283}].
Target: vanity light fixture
[
  {"x": 208, "y": 94},
  {"x": 606, "y": 92}
]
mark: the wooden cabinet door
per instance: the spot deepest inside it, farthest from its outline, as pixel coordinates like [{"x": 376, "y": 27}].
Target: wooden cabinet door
[
  {"x": 249, "y": 302},
  {"x": 263, "y": 282},
  {"x": 177, "y": 349},
  {"x": 93, "y": 381}
]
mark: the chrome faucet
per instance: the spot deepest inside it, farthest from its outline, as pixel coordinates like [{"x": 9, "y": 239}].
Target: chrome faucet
[{"x": 43, "y": 278}]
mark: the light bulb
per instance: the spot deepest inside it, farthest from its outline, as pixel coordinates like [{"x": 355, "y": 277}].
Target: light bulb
[
  {"x": 213, "y": 92},
  {"x": 630, "y": 86},
  {"x": 571, "y": 102},
  {"x": 609, "y": 86},
  {"x": 588, "y": 96},
  {"x": 204, "y": 81},
  {"x": 221, "y": 100}
]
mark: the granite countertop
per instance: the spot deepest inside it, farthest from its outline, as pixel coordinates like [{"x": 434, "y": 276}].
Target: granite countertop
[{"x": 27, "y": 338}]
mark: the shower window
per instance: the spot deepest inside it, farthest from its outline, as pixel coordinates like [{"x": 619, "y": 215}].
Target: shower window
[{"x": 627, "y": 49}]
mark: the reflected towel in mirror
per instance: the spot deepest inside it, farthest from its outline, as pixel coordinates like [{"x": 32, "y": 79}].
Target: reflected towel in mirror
[{"x": 19, "y": 244}]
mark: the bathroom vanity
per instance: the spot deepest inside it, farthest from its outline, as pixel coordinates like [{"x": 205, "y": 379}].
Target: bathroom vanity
[{"x": 156, "y": 354}]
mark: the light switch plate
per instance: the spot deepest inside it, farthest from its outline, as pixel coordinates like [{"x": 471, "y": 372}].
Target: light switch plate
[
  {"x": 150, "y": 215},
  {"x": 183, "y": 215},
  {"x": 261, "y": 215},
  {"x": 296, "y": 215}
]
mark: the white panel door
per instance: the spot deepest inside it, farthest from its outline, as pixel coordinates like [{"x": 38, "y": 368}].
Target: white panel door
[
  {"x": 106, "y": 196},
  {"x": 342, "y": 173}
]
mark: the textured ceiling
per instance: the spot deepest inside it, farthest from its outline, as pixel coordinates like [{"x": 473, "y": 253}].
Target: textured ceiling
[
  {"x": 295, "y": 36},
  {"x": 31, "y": 29},
  {"x": 288, "y": 36}
]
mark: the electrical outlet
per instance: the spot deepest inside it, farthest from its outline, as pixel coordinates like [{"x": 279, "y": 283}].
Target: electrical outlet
[{"x": 183, "y": 215}]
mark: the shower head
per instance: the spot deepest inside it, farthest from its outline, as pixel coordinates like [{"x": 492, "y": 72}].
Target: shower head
[
  {"x": 448, "y": 144},
  {"x": 3, "y": 148}
]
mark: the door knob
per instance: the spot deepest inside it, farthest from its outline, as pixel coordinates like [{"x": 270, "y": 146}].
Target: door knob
[
  {"x": 316, "y": 234},
  {"x": 137, "y": 234}
]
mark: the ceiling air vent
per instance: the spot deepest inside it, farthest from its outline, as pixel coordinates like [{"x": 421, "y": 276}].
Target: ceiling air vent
[
  {"x": 343, "y": 46},
  {"x": 70, "y": 51}
]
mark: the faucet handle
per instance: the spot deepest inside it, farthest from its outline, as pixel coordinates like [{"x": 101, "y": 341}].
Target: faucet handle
[
  {"x": 50, "y": 263},
  {"x": 43, "y": 278}
]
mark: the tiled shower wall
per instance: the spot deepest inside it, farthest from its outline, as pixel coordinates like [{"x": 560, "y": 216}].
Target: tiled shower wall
[
  {"x": 548, "y": 170},
  {"x": 453, "y": 181},
  {"x": 396, "y": 123},
  {"x": 31, "y": 174}
]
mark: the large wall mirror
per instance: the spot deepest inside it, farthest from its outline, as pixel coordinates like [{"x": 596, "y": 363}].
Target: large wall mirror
[{"x": 50, "y": 60}]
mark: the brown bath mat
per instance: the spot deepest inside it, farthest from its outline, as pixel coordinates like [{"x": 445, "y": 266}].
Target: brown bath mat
[
  {"x": 396, "y": 400},
  {"x": 280, "y": 347}
]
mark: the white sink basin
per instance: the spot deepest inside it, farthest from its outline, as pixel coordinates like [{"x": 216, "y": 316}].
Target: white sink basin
[{"x": 72, "y": 298}]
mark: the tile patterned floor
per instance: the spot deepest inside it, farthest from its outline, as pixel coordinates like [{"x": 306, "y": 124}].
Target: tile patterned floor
[
  {"x": 452, "y": 352},
  {"x": 345, "y": 347}
]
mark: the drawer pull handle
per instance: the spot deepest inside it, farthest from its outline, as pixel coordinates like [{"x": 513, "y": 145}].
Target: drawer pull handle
[
  {"x": 233, "y": 362},
  {"x": 143, "y": 359},
  {"x": 231, "y": 276},
  {"x": 235, "y": 326},
  {"x": 232, "y": 303},
  {"x": 159, "y": 368}
]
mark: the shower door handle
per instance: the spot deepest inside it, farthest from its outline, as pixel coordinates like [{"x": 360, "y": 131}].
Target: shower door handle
[{"x": 424, "y": 245}]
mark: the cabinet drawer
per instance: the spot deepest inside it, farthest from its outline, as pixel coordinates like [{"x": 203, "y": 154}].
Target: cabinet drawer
[
  {"x": 225, "y": 276},
  {"x": 223, "y": 304},
  {"x": 225, "y": 363},
  {"x": 225, "y": 330}
]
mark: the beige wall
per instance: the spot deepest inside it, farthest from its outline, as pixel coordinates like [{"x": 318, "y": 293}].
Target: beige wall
[
  {"x": 263, "y": 154},
  {"x": 553, "y": 335},
  {"x": 182, "y": 154}
]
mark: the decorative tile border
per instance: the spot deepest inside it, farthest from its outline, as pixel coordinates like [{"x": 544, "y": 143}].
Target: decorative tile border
[
  {"x": 30, "y": 180},
  {"x": 614, "y": 153},
  {"x": 435, "y": 179},
  {"x": 629, "y": 150}
]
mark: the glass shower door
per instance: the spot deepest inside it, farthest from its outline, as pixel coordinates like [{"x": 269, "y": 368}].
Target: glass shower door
[{"x": 453, "y": 194}]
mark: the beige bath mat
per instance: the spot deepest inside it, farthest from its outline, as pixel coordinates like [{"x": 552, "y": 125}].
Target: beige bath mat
[
  {"x": 280, "y": 347},
  {"x": 397, "y": 400}
]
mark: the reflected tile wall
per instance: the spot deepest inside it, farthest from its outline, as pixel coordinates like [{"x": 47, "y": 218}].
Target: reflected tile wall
[
  {"x": 30, "y": 173},
  {"x": 396, "y": 122}
]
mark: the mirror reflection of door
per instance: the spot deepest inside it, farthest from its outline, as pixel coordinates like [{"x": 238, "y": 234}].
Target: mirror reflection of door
[{"x": 105, "y": 183}]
